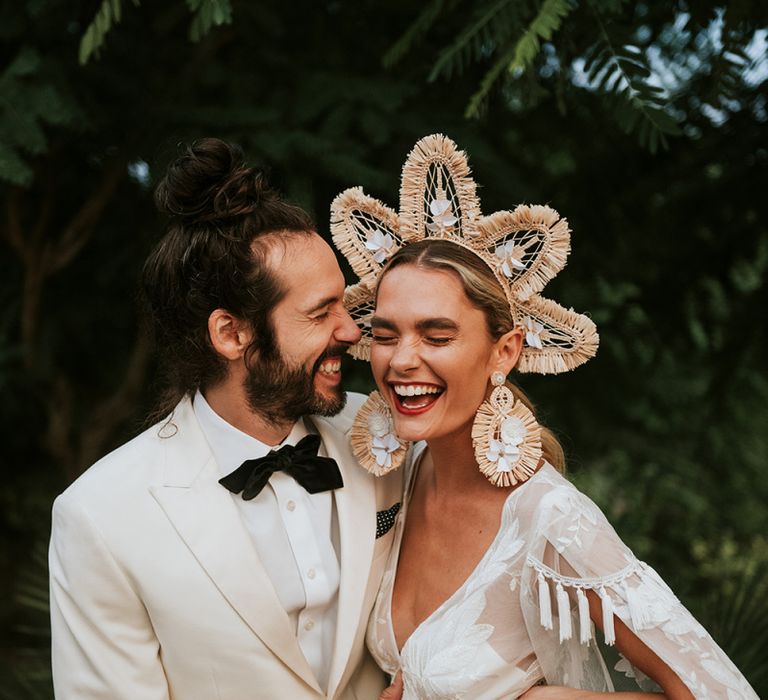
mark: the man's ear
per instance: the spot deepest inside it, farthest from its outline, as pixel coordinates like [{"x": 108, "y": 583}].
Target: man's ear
[
  {"x": 506, "y": 351},
  {"x": 230, "y": 336}
]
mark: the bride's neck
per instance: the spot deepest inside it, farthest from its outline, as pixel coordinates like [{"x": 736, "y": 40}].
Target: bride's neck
[{"x": 452, "y": 463}]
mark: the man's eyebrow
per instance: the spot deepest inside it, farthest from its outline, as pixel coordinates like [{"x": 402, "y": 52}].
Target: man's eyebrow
[{"x": 325, "y": 302}]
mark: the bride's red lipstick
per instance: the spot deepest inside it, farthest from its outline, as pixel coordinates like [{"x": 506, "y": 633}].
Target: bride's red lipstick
[{"x": 398, "y": 400}]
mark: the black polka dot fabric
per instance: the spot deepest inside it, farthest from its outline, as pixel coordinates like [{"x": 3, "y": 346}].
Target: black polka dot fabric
[{"x": 385, "y": 519}]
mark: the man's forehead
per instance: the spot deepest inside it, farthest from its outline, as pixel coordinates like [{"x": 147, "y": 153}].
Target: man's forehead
[
  {"x": 278, "y": 246},
  {"x": 307, "y": 269}
]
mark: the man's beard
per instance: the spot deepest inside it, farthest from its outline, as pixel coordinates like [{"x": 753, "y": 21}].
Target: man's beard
[{"x": 283, "y": 394}]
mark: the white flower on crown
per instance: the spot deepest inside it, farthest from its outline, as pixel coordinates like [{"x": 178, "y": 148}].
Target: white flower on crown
[
  {"x": 381, "y": 244},
  {"x": 510, "y": 258},
  {"x": 533, "y": 330},
  {"x": 442, "y": 215},
  {"x": 384, "y": 442}
]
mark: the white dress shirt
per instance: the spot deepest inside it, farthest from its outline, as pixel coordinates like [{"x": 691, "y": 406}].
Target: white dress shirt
[{"x": 295, "y": 534}]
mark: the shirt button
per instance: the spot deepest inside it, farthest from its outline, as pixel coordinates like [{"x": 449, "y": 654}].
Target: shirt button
[
  {"x": 291, "y": 505},
  {"x": 308, "y": 625},
  {"x": 311, "y": 573}
]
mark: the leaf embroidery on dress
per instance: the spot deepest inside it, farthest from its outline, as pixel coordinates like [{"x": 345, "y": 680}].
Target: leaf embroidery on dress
[{"x": 440, "y": 646}]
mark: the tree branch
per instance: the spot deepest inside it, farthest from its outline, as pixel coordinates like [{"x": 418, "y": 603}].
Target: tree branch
[
  {"x": 13, "y": 229},
  {"x": 58, "y": 441},
  {"x": 107, "y": 416},
  {"x": 83, "y": 223}
]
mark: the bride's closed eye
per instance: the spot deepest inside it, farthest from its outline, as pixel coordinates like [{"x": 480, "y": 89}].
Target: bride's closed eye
[
  {"x": 383, "y": 339},
  {"x": 441, "y": 340}
]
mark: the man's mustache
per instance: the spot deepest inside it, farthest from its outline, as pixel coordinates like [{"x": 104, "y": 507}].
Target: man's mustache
[{"x": 334, "y": 351}]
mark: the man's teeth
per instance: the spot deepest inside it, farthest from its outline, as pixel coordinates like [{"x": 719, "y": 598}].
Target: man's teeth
[
  {"x": 416, "y": 389},
  {"x": 330, "y": 367}
]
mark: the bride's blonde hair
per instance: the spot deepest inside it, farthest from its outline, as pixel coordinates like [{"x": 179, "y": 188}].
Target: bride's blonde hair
[{"x": 486, "y": 294}]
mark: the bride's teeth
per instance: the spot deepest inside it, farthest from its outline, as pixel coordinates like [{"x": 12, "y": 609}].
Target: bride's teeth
[{"x": 415, "y": 389}]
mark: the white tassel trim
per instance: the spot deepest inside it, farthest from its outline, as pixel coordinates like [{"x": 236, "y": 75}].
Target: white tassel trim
[
  {"x": 636, "y": 611},
  {"x": 545, "y": 604},
  {"x": 564, "y": 613},
  {"x": 585, "y": 624},
  {"x": 608, "y": 628},
  {"x": 616, "y": 582}
]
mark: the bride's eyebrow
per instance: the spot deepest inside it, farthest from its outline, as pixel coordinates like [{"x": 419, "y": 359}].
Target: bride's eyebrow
[
  {"x": 426, "y": 324},
  {"x": 382, "y": 324},
  {"x": 437, "y": 324}
]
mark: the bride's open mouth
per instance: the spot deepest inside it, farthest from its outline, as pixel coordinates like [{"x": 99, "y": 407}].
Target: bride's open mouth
[{"x": 414, "y": 398}]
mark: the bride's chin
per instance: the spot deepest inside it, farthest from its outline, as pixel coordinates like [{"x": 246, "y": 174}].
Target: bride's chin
[
  {"x": 410, "y": 435},
  {"x": 407, "y": 429}
]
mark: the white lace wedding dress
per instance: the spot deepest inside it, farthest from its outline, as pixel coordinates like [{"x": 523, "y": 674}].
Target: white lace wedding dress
[{"x": 522, "y": 614}]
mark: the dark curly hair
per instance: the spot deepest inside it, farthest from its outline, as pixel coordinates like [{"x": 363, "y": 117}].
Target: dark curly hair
[{"x": 211, "y": 257}]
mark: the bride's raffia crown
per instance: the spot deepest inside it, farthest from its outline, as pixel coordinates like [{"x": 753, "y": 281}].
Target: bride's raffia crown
[{"x": 525, "y": 248}]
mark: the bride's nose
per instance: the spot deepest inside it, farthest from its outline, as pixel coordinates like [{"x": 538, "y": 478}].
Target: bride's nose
[{"x": 405, "y": 356}]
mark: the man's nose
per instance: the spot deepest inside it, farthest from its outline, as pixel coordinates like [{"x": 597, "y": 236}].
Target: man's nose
[{"x": 347, "y": 330}]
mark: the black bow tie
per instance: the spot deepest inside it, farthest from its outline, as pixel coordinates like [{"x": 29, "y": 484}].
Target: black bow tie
[{"x": 301, "y": 462}]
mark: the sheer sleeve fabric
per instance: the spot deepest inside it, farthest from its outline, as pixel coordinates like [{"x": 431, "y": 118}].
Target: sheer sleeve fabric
[{"x": 574, "y": 549}]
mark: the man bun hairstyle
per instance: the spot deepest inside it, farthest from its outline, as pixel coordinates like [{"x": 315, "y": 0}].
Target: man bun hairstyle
[{"x": 224, "y": 217}]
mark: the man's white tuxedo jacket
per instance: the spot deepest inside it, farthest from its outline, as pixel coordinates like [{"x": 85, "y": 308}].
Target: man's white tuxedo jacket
[{"x": 157, "y": 591}]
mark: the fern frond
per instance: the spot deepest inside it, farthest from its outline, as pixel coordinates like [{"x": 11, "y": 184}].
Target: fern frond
[
  {"x": 477, "y": 101},
  {"x": 207, "y": 14},
  {"x": 470, "y": 42},
  {"x": 421, "y": 25},
  {"x": 109, "y": 14},
  {"x": 548, "y": 20},
  {"x": 623, "y": 75},
  {"x": 26, "y": 91},
  {"x": 521, "y": 53}
]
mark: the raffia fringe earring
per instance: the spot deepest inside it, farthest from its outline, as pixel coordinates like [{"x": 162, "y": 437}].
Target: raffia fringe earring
[
  {"x": 373, "y": 438},
  {"x": 506, "y": 436}
]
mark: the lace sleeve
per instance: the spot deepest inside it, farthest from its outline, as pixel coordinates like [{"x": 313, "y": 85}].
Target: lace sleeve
[{"x": 577, "y": 550}]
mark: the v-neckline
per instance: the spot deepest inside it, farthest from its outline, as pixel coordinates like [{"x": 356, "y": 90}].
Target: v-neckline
[{"x": 404, "y": 512}]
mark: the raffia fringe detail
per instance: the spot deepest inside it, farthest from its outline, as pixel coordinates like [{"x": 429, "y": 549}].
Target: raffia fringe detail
[
  {"x": 359, "y": 300},
  {"x": 361, "y": 439},
  {"x": 577, "y": 342},
  {"x": 554, "y": 236},
  {"x": 617, "y": 583},
  {"x": 433, "y": 152},
  {"x": 353, "y": 216}
]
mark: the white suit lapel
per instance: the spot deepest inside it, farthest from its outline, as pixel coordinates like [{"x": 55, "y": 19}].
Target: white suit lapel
[
  {"x": 356, "y": 507},
  {"x": 203, "y": 514}
]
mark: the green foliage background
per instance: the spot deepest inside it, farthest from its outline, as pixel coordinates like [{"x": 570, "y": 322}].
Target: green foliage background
[{"x": 643, "y": 123}]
